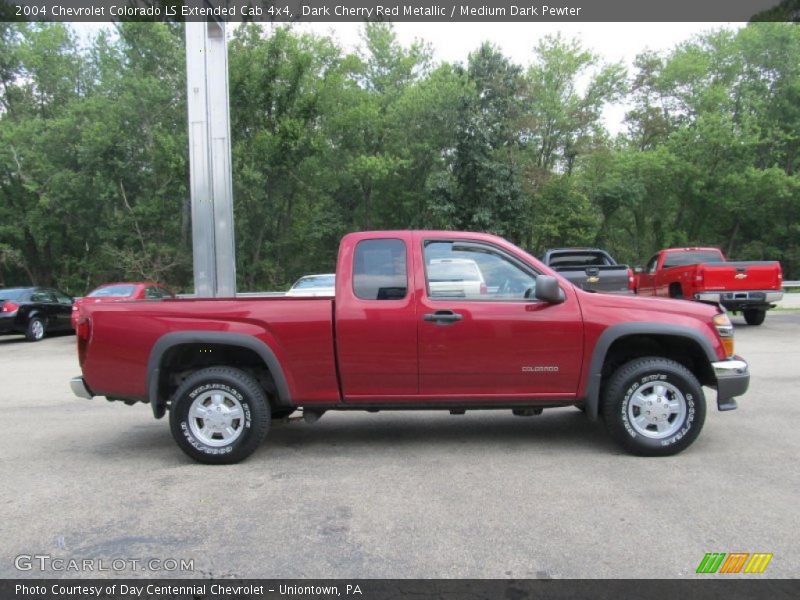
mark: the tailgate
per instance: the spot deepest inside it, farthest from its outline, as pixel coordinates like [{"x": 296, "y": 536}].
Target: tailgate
[
  {"x": 740, "y": 276},
  {"x": 606, "y": 278}
]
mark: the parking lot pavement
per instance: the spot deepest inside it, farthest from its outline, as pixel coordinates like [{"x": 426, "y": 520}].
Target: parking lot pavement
[
  {"x": 790, "y": 301},
  {"x": 415, "y": 494}
]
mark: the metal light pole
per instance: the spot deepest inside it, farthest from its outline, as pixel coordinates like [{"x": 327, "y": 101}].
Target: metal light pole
[{"x": 210, "y": 160}]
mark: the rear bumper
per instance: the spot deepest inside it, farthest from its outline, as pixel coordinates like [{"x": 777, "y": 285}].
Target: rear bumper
[
  {"x": 733, "y": 379},
  {"x": 739, "y": 300},
  {"x": 80, "y": 389},
  {"x": 9, "y": 323}
]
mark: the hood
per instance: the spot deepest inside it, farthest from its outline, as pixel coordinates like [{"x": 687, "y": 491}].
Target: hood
[{"x": 635, "y": 303}]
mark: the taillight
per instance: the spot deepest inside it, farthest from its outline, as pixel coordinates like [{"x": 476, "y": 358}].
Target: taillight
[
  {"x": 631, "y": 280},
  {"x": 484, "y": 289},
  {"x": 84, "y": 328},
  {"x": 9, "y": 307}
]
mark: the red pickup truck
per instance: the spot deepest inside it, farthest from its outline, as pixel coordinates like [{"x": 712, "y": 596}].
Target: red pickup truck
[
  {"x": 704, "y": 274},
  {"x": 393, "y": 339}
]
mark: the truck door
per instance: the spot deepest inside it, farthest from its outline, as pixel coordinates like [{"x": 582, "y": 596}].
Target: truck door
[
  {"x": 376, "y": 334},
  {"x": 646, "y": 281},
  {"x": 491, "y": 341}
]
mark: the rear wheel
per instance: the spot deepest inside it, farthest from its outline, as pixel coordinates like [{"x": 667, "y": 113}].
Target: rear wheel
[
  {"x": 754, "y": 316},
  {"x": 654, "y": 407},
  {"x": 35, "y": 330},
  {"x": 219, "y": 415}
]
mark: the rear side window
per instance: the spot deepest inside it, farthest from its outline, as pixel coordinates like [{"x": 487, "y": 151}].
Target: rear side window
[
  {"x": 380, "y": 271},
  {"x": 42, "y": 296}
]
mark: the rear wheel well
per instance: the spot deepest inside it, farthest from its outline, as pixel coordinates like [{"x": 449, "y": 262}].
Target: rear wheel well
[
  {"x": 683, "y": 350},
  {"x": 181, "y": 360},
  {"x": 675, "y": 290}
]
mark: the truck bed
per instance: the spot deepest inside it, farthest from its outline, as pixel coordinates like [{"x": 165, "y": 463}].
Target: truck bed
[{"x": 298, "y": 330}]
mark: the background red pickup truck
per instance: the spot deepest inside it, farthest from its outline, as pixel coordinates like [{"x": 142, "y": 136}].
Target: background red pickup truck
[
  {"x": 704, "y": 274},
  {"x": 395, "y": 337}
]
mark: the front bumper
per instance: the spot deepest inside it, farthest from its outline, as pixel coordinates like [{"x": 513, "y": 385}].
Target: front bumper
[
  {"x": 80, "y": 389},
  {"x": 733, "y": 379}
]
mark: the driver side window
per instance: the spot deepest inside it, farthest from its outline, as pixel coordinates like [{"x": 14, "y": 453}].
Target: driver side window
[
  {"x": 651, "y": 265},
  {"x": 474, "y": 271}
]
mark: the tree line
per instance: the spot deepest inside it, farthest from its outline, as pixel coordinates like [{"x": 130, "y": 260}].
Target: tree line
[{"x": 94, "y": 151}]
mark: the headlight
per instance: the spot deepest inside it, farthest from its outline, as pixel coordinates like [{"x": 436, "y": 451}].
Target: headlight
[{"x": 725, "y": 331}]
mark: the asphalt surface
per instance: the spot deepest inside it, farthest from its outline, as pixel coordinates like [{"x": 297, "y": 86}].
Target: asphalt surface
[{"x": 420, "y": 494}]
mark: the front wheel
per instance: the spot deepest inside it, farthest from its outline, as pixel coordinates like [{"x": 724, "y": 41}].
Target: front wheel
[
  {"x": 654, "y": 407},
  {"x": 219, "y": 415},
  {"x": 754, "y": 316}
]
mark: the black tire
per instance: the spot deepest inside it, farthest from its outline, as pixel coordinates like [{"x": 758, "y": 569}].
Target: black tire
[
  {"x": 282, "y": 413},
  {"x": 36, "y": 329},
  {"x": 676, "y": 291},
  {"x": 235, "y": 386},
  {"x": 642, "y": 375},
  {"x": 754, "y": 316}
]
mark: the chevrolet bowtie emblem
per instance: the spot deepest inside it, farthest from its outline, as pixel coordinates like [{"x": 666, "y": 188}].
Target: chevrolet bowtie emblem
[
  {"x": 741, "y": 276},
  {"x": 592, "y": 279}
]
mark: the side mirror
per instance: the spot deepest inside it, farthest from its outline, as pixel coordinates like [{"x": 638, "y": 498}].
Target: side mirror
[
  {"x": 638, "y": 269},
  {"x": 548, "y": 290}
]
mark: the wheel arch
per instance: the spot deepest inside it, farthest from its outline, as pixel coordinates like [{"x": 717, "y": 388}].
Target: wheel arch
[
  {"x": 166, "y": 346},
  {"x": 659, "y": 339}
]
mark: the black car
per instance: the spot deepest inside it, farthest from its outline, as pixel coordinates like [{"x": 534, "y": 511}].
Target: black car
[{"x": 34, "y": 311}]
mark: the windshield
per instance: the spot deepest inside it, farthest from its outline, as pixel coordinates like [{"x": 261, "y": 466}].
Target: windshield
[
  {"x": 315, "y": 281},
  {"x": 112, "y": 291},
  {"x": 453, "y": 271},
  {"x": 12, "y": 293},
  {"x": 679, "y": 259}
]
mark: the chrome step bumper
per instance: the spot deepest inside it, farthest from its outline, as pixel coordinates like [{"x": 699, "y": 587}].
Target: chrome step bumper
[{"x": 79, "y": 388}]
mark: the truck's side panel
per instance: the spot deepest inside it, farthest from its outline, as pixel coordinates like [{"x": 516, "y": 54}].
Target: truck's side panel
[
  {"x": 601, "y": 312},
  {"x": 376, "y": 337},
  {"x": 500, "y": 348},
  {"x": 116, "y": 359}
]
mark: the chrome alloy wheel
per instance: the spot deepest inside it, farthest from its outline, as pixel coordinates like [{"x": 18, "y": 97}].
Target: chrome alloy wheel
[
  {"x": 657, "y": 410},
  {"x": 216, "y": 418},
  {"x": 37, "y": 329}
]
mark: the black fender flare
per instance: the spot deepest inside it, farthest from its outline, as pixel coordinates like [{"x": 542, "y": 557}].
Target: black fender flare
[
  {"x": 612, "y": 334},
  {"x": 170, "y": 340}
]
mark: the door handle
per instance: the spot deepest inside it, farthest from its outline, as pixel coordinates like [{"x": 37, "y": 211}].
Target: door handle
[{"x": 443, "y": 316}]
